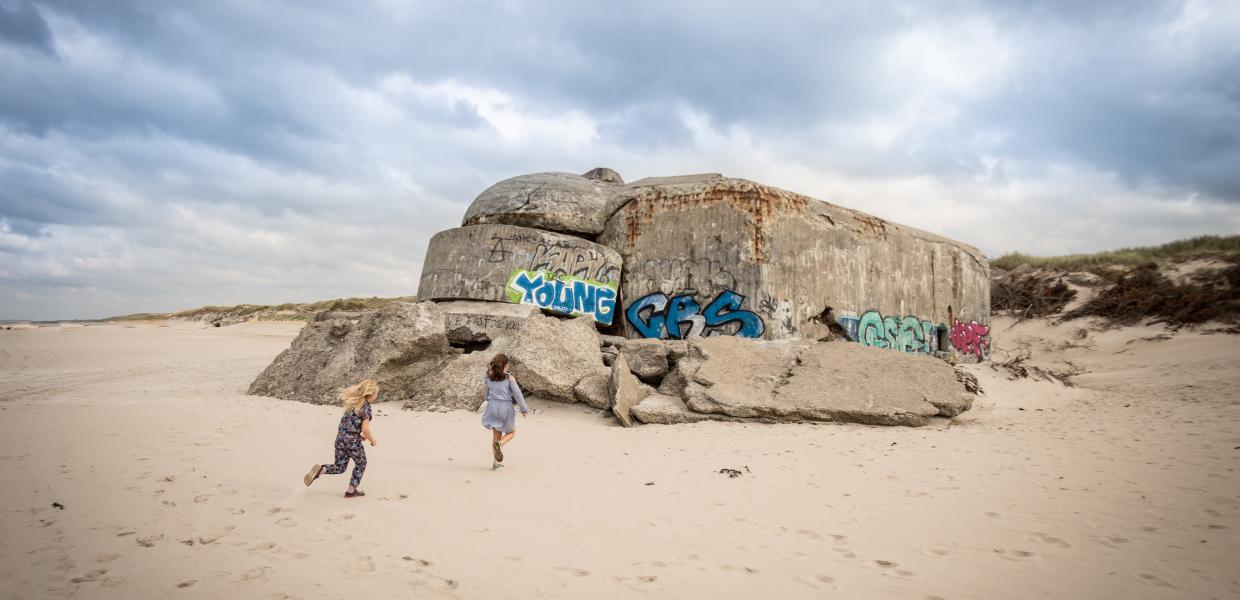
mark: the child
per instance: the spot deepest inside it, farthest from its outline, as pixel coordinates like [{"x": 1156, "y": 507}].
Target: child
[
  {"x": 354, "y": 427},
  {"x": 501, "y": 393}
]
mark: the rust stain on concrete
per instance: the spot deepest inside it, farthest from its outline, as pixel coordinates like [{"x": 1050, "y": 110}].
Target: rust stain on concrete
[{"x": 759, "y": 203}]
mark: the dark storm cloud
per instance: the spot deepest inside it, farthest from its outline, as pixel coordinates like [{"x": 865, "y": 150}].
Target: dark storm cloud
[{"x": 22, "y": 25}]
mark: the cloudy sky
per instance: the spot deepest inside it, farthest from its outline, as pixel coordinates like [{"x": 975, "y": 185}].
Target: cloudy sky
[{"x": 164, "y": 155}]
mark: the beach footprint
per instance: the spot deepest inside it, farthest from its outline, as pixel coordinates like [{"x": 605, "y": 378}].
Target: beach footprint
[
  {"x": 1046, "y": 539},
  {"x": 362, "y": 565},
  {"x": 1154, "y": 580},
  {"x": 820, "y": 581},
  {"x": 95, "y": 575}
]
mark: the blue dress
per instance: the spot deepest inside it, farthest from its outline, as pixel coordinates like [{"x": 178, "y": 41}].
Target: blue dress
[{"x": 499, "y": 413}]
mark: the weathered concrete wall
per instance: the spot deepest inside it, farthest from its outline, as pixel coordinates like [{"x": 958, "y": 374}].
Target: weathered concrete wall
[
  {"x": 708, "y": 255},
  {"x": 507, "y": 263},
  {"x": 563, "y": 202}
]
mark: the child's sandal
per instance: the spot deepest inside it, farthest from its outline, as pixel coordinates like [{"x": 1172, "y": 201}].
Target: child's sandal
[
  {"x": 314, "y": 473},
  {"x": 499, "y": 454},
  {"x": 354, "y": 493}
]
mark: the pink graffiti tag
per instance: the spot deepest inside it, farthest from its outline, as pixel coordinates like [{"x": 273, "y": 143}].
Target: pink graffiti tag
[{"x": 971, "y": 338}]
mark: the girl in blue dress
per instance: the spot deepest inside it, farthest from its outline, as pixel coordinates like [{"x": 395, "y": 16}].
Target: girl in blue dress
[{"x": 500, "y": 416}]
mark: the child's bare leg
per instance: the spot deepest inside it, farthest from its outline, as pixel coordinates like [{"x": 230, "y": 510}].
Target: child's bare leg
[{"x": 507, "y": 438}]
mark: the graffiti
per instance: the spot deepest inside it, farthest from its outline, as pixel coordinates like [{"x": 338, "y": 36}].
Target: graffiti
[
  {"x": 660, "y": 317},
  {"x": 700, "y": 278},
  {"x": 780, "y": 312},
  {"x": 564, "y": 294},
  {"x": 559, "y": 258},
  {"x": 906, "y": 334},
  {"x": 568, "y": 260},
  {"x": 971, "y": 338},
  {"x": 482, "y": 321}
]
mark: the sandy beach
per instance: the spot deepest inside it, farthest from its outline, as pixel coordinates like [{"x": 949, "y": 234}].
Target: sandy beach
[{"x": 174, "y": 483}]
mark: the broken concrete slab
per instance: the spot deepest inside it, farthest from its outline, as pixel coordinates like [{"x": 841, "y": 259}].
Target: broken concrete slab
[
  {"x": 625, "y": 391},
  {"x": 809, "y": 381}
]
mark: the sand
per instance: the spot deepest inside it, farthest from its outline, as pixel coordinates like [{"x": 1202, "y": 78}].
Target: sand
[{"x": 175, "y": 484}]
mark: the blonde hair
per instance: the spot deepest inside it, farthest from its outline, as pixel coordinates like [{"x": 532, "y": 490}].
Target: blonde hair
[{"x": 356, "y": 396}]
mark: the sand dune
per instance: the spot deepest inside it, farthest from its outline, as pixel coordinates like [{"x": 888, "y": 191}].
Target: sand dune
[{"x": 175, "y": 484}]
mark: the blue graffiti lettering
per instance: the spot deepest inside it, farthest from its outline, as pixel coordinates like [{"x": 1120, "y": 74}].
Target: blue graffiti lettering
[
  {"x": 659, "y": 317},
  {"x": 564, "y": 294}
]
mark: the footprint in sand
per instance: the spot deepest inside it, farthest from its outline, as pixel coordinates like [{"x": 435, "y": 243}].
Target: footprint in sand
[
  {"x": 1046, "y": 539},
  {"x": 573, "y": 571},
  {"x": 809, "y": 534},
  {"x": 263, "y": 547},
  {"x": 420, "y": 562},
  {"x": 362, "y": 565},
  {"x": 91, "y": 576},
  {"x": 1013, "y": 554},
  {"x": 840, "y": 540},
  {"x": 1154, "y": 580},
  {"x": 185, "y": 584},
  {"x": 149, "y": 541},
  {"x": 275, "y": 510},
  {"x": 202, "y": 498},
  {"x": 342, "y": 517},
  {"x": 822, "y": 582},
  {"x": 113, "y": 582},
  {"x": 286, "y": 522},
  {"x": 236, "y": 511},
  {"x": 214, "y": 535},
  {"x": 886, "y": 564},
  {"x": 106, "y": 558},
  {"x": 845, "y": 553},
  {"x": 253, "y": 574},
  {"x": 936, "y": 552}
]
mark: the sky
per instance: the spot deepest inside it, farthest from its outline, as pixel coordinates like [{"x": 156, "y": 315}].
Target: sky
[{"x": 157, "y": 156}]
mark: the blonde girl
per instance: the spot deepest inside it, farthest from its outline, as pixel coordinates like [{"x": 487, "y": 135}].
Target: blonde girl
[
  {"x": 354, "y": 427},
  {"x": 500, "y": 416}
]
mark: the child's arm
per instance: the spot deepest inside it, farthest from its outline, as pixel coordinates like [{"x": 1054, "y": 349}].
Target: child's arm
[
  {"x": 516, "y": 394},
  {"x": 366, "y": 434}
]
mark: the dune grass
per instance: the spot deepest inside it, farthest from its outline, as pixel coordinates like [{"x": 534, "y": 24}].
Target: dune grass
[
  {"x": 1228, "y": 246},
  {"x": 279, "y": 312}
]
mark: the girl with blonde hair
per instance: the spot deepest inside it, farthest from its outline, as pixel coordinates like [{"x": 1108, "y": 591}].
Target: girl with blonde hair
[
  {"x": 500, "y": 416},
  {"x": 354, "y": 427}
]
